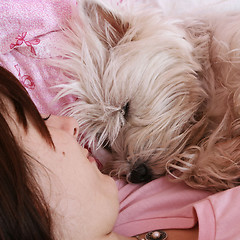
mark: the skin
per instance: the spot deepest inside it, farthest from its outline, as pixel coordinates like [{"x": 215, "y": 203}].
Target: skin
[
  {"x": 78, "y": 193},
  {"x": 83, "y": 201}
]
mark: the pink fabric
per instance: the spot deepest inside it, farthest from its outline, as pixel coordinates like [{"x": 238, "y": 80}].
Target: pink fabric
[
  {"x": 34, "y": 17},
  {"x": 160, "y": 204},
  {"x": 29, "y": 31},
  {"x": 163, "y": 204},
  {"x": 218, "y": 216}
]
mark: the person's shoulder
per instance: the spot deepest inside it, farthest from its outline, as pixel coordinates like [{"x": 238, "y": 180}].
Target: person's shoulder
[{"x": 218, "y": 215}]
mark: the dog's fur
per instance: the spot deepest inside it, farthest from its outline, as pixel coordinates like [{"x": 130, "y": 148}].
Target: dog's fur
[{"x": 163, "y": 93}]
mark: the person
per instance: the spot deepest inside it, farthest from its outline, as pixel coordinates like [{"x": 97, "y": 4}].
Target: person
[{"x": 51, "y": 187}]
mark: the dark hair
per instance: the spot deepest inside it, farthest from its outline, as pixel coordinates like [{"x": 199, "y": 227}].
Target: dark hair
[{"x": 24, "y": 214}]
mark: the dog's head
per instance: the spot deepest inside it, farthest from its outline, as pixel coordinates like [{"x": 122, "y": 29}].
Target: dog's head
[{"x": 138, "y": 83}]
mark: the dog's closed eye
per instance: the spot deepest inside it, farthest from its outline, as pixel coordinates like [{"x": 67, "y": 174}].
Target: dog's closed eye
[
  {"x": 107, "y": 146},
  {"x": 125, "y": 110}
]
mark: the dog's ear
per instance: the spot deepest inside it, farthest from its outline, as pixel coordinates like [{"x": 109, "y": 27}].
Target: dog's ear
[{"x": 108, "y": 25}]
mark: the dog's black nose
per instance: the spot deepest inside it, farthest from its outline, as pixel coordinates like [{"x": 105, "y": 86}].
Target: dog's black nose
[{"x": 140, "y": 174}]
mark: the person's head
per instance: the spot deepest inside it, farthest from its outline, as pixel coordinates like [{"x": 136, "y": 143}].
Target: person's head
[{"x": 49, "y": 188}]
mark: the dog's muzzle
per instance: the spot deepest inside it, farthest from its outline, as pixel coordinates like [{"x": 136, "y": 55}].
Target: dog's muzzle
[{"x": 140, "y": 174}]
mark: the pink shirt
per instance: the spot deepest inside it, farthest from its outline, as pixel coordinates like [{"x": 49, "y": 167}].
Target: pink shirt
[{"x": 163, "y": 204}]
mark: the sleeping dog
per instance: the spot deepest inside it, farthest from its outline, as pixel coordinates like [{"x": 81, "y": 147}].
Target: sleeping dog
[{"x": 161, "y": 93}]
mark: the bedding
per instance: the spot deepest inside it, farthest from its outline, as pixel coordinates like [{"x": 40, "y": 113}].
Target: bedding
[{"x": 30, "y": 30}]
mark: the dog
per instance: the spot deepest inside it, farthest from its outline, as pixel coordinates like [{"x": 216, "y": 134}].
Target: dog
[{"x": 160, "y": 93}]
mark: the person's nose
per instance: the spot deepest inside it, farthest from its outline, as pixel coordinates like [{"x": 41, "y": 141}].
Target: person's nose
[{"x": 67, "y": 124}]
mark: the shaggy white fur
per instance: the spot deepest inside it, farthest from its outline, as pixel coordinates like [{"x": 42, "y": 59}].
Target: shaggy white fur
[{"x": 162, "y": 93}]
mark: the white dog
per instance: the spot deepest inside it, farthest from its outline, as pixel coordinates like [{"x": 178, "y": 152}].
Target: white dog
[{"x": 161, "y": 93}]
